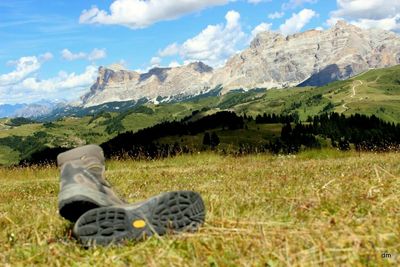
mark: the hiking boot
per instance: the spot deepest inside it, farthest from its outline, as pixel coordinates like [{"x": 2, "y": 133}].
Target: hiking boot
[
  {"x": 170, "y": 212},
  {"x": 82, "y": 185}
]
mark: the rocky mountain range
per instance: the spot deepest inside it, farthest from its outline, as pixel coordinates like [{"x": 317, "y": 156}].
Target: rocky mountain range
[
  {"x": 311, "y": 58},
  {"x": 117, "y": 84},
  {"x": 33, "y": 110}
]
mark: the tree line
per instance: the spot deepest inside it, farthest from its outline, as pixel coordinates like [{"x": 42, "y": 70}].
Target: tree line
[
  {"x": 143, "y": 142},
  {"x": 360, "y": 132}
]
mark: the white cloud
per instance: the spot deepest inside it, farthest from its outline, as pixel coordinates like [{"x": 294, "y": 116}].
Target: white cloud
[
  {"x": 68, "y": 55},
  {"x": 174, "y": 64},
  {"x": 213, "y": 45},
  {"x": 140, "y": 14},
  {"x": 261, "y": 28},
  {"x": 95, "y": 54},
  {"x": 292, "y": 4},
  {"x": 170, "y": 50},
  {"x": 46, "y": 56},
  {"x": 61, "y": 82},
  {"x": 155, "y": 61},
  {"x": 123, "y": 63},
  {"x": 276, "y": 15},
  {"x": 371, "y": 9},
  {"x": 381, "y": 14},
  {"x": 297, "y": 21},
  {"x": 389, "y": 24},
  {"x": 23, "y": 67},
  {"x": 23, "y": 85},
  {"x": 332, "y": 21}
]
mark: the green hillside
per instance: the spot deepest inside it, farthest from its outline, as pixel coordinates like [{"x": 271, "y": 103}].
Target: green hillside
[{"x": 374, "y": 92}]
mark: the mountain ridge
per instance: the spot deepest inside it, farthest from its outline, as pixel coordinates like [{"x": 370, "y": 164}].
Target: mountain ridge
[
  {"x": 375, "y": 92},
  {"x": 32, "y": 110},
  {"x": 122, "y": 85},
  {"x": 311, "y": 58}
]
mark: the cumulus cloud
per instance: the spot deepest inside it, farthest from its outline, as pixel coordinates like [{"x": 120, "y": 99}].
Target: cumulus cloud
[
  {"x": 155, "y": 61},
  {"x": 292, "y": 4},
  {"x": 140, "y": 14},
  {"x": 368, "y": 14},
  {"x": 174, "y": 64},
  {"x": 276, "y": 15},
  {"x": 95, "y": 54},
  {"x": 23, "y": 67},
  {"x": 68, "y": 55},
  {"x": 262, "y": 27},
  {"x": 213, "y": 45},
  {"x": 332, "y": 21},
  {"x": 389, "y": 24},
  {"x": 46, "y": 56},
  {"x": 371, "y": 9},
  {"x": 297, "y": 21},
  {"x": 170, "y": 50},
  {"x": 22, "y": 84},
  {"x": 63, "y": 81}
]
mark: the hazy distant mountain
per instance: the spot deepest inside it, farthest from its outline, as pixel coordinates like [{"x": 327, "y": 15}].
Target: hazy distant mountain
[
  {"x": 7, "y": 110},
  {"x": 272, "y": 60},
  {"x": 34, "y": 110}
]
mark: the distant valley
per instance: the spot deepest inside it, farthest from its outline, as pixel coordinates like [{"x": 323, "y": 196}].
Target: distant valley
[{"x": 375, "y": 92}]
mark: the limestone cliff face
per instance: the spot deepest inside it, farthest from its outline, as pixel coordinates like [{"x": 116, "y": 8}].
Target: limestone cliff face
[
  {"x": 117, "y": 84},
  {"x": 309, "y": 58},
  {"x": 272, "y": 60}
]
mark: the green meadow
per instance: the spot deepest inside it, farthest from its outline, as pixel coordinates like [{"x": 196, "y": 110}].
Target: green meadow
[{"x": 314, "y": 209}]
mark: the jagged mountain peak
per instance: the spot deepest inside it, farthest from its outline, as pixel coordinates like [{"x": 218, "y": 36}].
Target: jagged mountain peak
[
  {"x": 342, "y": 24},
  {"x": 200, "y": 67},
  {"x": 158, "y": 72},
  {"x": 116, "y": 67},
  {"x": 164, "y": 82},
  {"x": 263, "y": 37},
  {"x": 309, "y": 58},
  {"x": 314, "y": 57}
]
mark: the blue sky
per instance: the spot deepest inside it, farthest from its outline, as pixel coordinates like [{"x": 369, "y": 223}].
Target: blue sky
[{"x": 52, "y": 49}]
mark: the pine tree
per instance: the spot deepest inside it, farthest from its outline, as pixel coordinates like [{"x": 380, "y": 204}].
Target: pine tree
[
  {"x": 206, "y": 139},
  {"x": 214, "y": 140}
]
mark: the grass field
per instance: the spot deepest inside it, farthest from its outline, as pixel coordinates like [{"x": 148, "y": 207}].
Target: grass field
[{"x": 315, "y": 209}]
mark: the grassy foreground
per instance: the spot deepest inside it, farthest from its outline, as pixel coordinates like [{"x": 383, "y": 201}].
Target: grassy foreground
[{"x": 305, "y": 210}]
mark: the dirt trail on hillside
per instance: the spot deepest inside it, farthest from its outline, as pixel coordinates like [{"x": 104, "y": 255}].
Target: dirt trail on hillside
[
  {"x": 354, "y": 88},
  {"x": 353, "y": 93}
]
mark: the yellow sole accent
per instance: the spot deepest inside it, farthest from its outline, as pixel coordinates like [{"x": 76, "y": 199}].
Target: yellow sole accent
[{"x": 139, "y": 223}]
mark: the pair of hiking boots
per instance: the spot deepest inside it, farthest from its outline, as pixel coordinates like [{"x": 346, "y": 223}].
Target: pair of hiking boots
[{"x": 101, "y": 217}]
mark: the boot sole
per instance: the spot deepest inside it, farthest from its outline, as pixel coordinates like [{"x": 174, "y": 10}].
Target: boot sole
[{"x": 171, "y": 212}]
